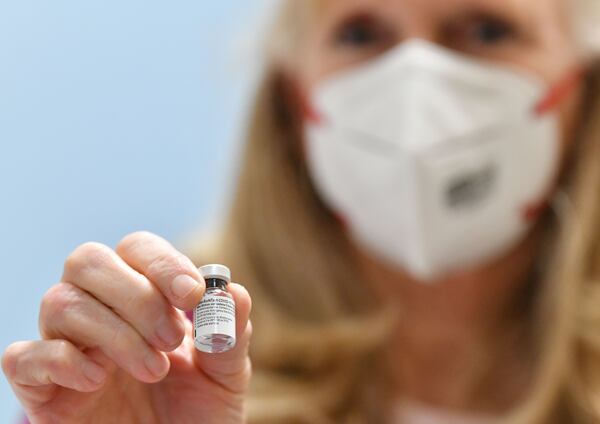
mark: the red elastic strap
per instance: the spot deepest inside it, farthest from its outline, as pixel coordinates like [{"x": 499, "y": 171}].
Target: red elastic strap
[
  {"x": 533, "y": 211},
  {"x": 309, "y": 113},
  {"x": 559, "y": 91},
  {"x": 551, "y": 101},
  {"x": 341, "y": 219}
]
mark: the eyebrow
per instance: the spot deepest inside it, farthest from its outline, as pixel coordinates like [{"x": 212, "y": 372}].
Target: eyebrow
[
  {"x": 357, "y": 8},
  {"x": 507, "y": 9},
  {"x": 510, "y": 10}
]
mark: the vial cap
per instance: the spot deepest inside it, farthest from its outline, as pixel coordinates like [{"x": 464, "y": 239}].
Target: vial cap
[{"x": 215, "y": 271}]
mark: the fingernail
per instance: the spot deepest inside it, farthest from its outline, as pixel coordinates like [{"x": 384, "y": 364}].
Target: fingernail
[
  {"x": 182, "y": 285},
  {"x": 94, "y": 372},
  {"x": 155, "y": 364},
  {"x": 166, "y": 332}
]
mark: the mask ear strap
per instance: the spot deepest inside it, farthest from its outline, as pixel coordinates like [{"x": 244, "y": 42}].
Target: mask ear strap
[
  {"x": 307, "y": 112},
  {"x": 560, "y": 90},
  {"x": 551, "y": 101}
]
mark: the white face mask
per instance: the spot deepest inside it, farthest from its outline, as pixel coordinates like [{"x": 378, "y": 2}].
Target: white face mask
[{"x": 432, "y": 158}]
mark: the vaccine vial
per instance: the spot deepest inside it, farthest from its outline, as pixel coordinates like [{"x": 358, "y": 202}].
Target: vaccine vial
[{"x": 214, "y": 317}]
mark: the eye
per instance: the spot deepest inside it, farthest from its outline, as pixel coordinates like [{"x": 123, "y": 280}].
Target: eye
[
  {"x": 477, "y": 32},
  {"x": 490, "y": 31},
  {"x": 361, "y": 31}
]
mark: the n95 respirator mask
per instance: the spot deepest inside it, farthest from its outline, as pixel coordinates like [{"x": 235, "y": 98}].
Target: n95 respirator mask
[{"x": 432, "y": 158}]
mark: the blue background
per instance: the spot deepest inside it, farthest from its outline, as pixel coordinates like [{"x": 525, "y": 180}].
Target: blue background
[{"x": 115, "y": 116}]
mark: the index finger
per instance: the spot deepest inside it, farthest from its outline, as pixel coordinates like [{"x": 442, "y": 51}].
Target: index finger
[{"x": 171, "y": 271}]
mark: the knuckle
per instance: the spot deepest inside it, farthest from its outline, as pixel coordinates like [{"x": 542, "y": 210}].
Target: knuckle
[
  {"x": 10, "y": 358},
  {"x": 132, "y": 240},
  {"x": 249, "y": 300},
  {"x": 249, "y": 329},
  {"x": 57, "y": 300},
  {"x": 237, "y": 379},
  {"x": 246, "y": 338},
  {"x": 247, "y": 369},
  {"x": 88, "y": 255},
  {"x": 122, "y": 338},
  {"x": 61, "y": 348},
  {"x": 168, "y": 264},
  {"x": 243, "y": 371},
  {"x": 146, "y": 302},
  {"x": 245, "y": 374},
  {"x": 57, "y": 358}
]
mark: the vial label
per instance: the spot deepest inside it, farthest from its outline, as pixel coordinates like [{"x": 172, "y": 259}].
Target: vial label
[{"x": 214, "y": 315}]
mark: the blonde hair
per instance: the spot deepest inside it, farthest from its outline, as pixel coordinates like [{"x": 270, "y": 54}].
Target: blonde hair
[{"x": 318, "y": 336}]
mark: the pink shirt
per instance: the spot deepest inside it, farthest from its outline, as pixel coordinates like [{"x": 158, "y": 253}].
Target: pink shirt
[
  {"x": 411, "y": 412},
  {"x": 415, "y": 413}
]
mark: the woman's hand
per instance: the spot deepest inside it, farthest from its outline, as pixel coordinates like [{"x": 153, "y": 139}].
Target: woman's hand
[{"x": 114, "y": 347}]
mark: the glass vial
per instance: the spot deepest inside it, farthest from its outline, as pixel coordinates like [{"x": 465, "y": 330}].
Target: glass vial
[{"x": 214, "y": 317}]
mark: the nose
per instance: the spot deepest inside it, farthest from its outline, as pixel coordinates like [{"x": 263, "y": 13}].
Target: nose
[{"x": 421, "y": 28}]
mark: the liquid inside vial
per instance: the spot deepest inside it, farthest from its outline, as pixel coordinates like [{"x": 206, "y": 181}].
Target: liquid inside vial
[{"x": 214, "y": 317}]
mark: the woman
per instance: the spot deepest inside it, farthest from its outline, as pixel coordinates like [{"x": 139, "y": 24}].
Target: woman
[{"x": 416, "y": 218}]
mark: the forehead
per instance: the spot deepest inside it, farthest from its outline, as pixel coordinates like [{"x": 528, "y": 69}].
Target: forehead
[{"x": 526, "y": 10}]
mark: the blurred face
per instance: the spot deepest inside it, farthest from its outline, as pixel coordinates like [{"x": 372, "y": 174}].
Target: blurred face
[
  {"x": 531, "y": 35},
  {"x": 461, "y": 175}
]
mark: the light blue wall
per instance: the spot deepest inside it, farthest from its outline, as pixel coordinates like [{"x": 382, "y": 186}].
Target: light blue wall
[{"x": 114, "y": 116}]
